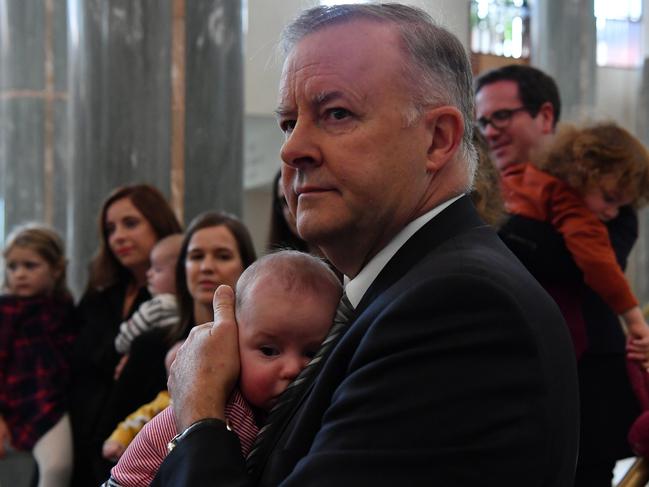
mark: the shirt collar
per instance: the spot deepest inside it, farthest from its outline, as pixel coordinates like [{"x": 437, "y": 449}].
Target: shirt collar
[{"x": 356, "y": 288}]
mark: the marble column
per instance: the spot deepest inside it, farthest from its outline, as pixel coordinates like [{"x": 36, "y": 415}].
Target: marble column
[
  {"x": 214, "y": 107},
  {"x": 96, "y": 94},
  {"x": 642, "y": 116},
  {"x": 118, "y": 109},
  {"x": 143, "y": 109},
  {"x": 564, "y": 41},
  {"x": 32, "y": 156},
  {"x": 33, "y": 98},
  {"x": 640, "y": 255}
]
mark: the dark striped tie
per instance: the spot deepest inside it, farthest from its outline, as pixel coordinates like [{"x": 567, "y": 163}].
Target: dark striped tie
[{"x": 279, "y": 413}]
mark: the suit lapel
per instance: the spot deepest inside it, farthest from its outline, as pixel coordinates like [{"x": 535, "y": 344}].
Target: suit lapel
[{"x": 457, "y": 218}]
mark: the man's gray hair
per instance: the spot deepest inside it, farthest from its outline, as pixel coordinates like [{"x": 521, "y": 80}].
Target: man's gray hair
[{"x": 438, "y": 71}]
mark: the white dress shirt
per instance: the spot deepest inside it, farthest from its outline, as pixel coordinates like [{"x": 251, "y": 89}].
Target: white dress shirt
[{"x": 356, "y": 288}]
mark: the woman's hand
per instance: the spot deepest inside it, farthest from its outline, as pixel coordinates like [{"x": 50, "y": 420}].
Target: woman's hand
[
  {"x": 5, "y": 437},
  {"x": 207, "y": 365},
  {"x": 120, "y": 366}
]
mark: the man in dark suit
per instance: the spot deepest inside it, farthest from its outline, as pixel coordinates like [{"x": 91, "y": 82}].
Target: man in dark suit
[
  {"x": 517, "y": 108},
  {"x": 457, "y": 369}
]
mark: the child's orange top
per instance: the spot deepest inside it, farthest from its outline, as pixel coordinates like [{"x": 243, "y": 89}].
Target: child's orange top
[{"x": 532, "y": 193}]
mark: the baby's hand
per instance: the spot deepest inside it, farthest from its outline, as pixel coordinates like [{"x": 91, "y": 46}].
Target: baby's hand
[
  {"x": 5, "y": 437},
  {"x": 638, "y": 342},
  {"x": 112, "y": 450}
]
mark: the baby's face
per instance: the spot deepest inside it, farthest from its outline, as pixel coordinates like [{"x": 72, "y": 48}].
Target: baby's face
[
  {"x": 279, "y": 334},
  {"x": 161, "y": 276},
  {"x": 606, "y": 199}
]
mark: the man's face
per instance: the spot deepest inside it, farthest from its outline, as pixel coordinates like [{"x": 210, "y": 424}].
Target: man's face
[
  {"x": 512, "y": 143},
  {"x": 353, "y": 171}
]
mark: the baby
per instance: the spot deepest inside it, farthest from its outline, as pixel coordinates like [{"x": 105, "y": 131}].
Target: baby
[
  {"x": 286, "y": 302},
  {"x": 162, "y": 310},
  {"x": 126, "y": 430}
]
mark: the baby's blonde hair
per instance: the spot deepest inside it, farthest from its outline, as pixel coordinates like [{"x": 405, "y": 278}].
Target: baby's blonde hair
[{"x": 46, "y": 243}]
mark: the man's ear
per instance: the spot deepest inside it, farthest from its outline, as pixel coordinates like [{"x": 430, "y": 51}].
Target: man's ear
[
  {"x": 546, "y": 117},
  {"x": 445, "y": 126}
]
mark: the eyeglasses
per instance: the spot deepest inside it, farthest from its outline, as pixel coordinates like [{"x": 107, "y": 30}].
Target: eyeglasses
[{"x": 499, "y": 119}]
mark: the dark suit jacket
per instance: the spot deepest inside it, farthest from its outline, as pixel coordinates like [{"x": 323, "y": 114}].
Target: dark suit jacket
[
  {"x": 93, "y": 363},
  {"x": 541, "y": 248},
  {"x": 608, "y": 405},
  {"x": 458, "y": 371}
]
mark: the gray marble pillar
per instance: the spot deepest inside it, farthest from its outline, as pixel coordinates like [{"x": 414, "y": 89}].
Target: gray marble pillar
[
  {"x": 214, "y": 107},
  {"x": 564, "y": 41},
  {"x": 123, "y": 77},
  {"x": 33, "y": 79},
  {"x": 33, "y": 94},
  {"x": 640, "y": 256},
  {"x": 119, "y": 110},
  {"x": 95, "y": 94},
  {"x": 642, "y": 116}
]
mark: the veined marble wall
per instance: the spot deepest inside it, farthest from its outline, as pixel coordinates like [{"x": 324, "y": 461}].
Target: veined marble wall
[
  {"x": 118, "y": 109},
  {"x": 640, "y": 255},
  {"x": 33, "y": 99},
  {"x": 214, "y": 108},
  {"x": 564, "y": 41},
  {"x": 95, "y": 94}
]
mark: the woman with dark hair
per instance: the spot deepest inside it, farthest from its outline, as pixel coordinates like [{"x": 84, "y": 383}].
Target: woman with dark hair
[
  {"x": 215, "y": 250},
  {"x": 137, "y": 208},
  {"x": 232, "y": 250},
  {"x": 132, "y": 219},
  {"x": 282, "y": 233}
]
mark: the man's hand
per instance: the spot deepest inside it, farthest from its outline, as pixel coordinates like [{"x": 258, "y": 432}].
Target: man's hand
[
  {"x": 206, "y": 366},
  {"x": 5, "y": 437},
  {"x": 638, "y": 349}
]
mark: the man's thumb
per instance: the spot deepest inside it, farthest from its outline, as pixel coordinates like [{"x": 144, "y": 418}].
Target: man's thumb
[{"x": 223, "y": 303}]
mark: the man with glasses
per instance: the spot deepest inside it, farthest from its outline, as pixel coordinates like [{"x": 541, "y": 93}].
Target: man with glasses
[{"x": 517, "y": 109}]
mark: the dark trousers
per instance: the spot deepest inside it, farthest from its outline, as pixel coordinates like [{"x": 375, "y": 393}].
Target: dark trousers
[{"x": 608, "y": 408}]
